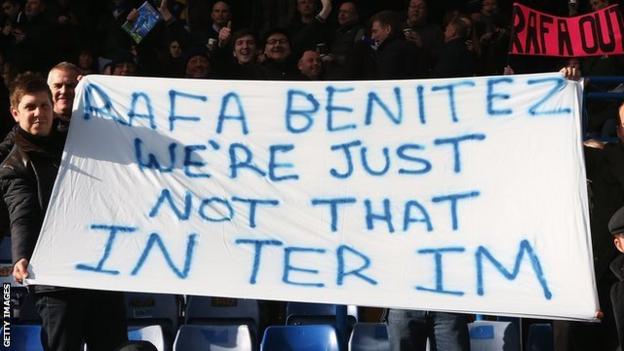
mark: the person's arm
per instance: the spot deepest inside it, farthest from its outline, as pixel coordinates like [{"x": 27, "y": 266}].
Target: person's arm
[
  {"x": 20, "y": 197},
  {"x": 7, "y": 144}
]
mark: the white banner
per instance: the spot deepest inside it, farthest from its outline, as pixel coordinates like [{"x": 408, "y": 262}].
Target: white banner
[{"x": 455, "y": 194}]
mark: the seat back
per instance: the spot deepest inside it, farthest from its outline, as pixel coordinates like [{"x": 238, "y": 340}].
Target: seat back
[
  {"x": 219, "y": 310},
  {"x": 151, "y": 333},
  {"x": 494, "y": 336},
  {"x": 300, "y": 337},
  {"x": 25, "y": 337},
  {"x": 369, "y": 337},
  {"x": 213, "y": 338},
  {"x": 300, "y": 313},
  {"x": 143, "y": 309}
]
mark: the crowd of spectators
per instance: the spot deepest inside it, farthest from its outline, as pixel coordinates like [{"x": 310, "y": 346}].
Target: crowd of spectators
[{"x": 263, "y": 39}]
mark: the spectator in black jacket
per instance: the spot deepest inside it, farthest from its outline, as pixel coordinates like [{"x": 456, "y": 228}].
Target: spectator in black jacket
[
  {"x": 455, "y": 59},
  {"x": 421, "y": 32},
  {"x": 278, "y": 62},
  {"x": 241, "y": 61},
  {"x": 308, "y": 28},
  {"x": 26, "y": 180},
  {"x": 349, "y": 32},
  {"x": 394, "y": 58}
]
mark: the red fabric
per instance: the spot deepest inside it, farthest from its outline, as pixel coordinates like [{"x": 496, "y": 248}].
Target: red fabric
[{"x": 592, "y": 34}]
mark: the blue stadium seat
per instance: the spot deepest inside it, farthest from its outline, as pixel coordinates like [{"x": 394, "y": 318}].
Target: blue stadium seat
[
  {"x": 213, "y": 338},
  {"x": 151, "y": 333},
  {"x": 219, "y": 310},
  {"x": 540, "y": 337},
  {"x": 369, "y": 337},
  {"x": 494, "y": 336},
  {"x": 299, "y": 313},
  {"x": 5, "y": 250},
  {"x": 143, "y": 309},
  {"x": 24, "y": 338},
  {"x": 300, "y": 338}
]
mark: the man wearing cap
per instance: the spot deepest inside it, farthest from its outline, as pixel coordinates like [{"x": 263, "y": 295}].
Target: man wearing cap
[{"x": 616, "y": 227}]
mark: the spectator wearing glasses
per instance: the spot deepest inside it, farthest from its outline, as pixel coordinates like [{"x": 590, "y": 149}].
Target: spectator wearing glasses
[{"x": 278, "y": 62}]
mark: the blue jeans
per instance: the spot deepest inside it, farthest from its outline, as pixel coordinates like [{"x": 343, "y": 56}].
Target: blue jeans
[{"x": 409, "y": 330}]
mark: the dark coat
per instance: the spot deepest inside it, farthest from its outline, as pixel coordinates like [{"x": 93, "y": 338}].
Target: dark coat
[
  {"x": 27, "y": 176},
  {"x": 617, "y": 296},
  {"x": 397, "y": 59},
  {"x": 605, "y": 170},
  {"x": 455, "y": 60}
]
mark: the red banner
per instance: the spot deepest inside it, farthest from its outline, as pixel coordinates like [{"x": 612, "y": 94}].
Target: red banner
[{"x": 593, "y": 34}]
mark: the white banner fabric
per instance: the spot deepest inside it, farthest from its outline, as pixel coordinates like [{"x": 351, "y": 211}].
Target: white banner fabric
[{"x": 464, "y": 195}]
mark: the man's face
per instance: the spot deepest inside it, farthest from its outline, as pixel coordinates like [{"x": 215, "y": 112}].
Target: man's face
[
  {"x": 62, "y": 84},
  {"x": 34, "y": 113},
  {"x": 310, "y": 64},
  {"x": 379, "y": 32},
  {"x": 197, "y": 67},
  {"x": 417, "y": 12},
  {"x": 277, "y": 47},
  {"x": 450, "y": 32},
  {"x": 618, "y": 240},
  {"x": 489, "y": 7},
  {"x": 9, "y": 9},
  {"x": 347, "y": 14},
  {"x": 305, "y": 7},
  {"x": 245, "y": 50},
  {"x": 175, "y": 50},
  {"x": 33, "y": 7},
  {"x": 124, "y": 69},
  {"x": 220, "y": 14}
]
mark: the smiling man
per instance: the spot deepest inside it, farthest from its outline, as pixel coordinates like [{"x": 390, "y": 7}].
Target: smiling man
[
  {"x": 62, "y": 80},
  {"x": 242, "y": 62},
  {"x": 278, "y": 63}
]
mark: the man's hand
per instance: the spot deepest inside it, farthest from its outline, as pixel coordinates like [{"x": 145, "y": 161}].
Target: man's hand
[
  {"x": 20, "y": 270},
  {"x": 164, "y": 11},
  {"x": 225, "y": 34},
  {"x": 413, "y": 37},
  {"x": 6, "y": 30},
  {"x": 508, "y": 71},
  {"x": 325, "y": 9},
  {"x": 133, "y": 15},
  {"x": 571, "y": 72},
  {"x": 595, "y": 144}
]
